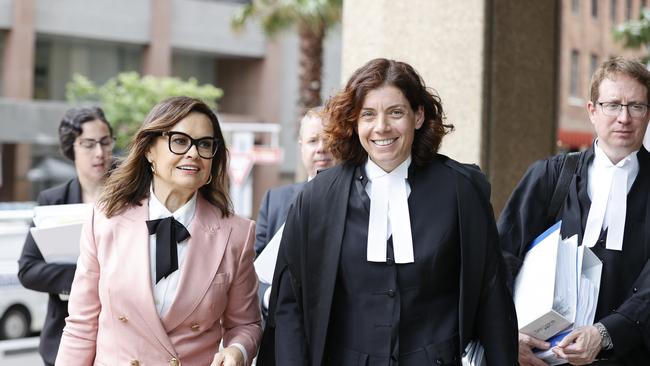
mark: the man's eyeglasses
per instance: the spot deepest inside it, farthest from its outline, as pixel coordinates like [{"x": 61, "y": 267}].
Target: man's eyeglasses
[
  {"x": 106, "y": 143},
  {"x": 180, "y": 143},
  {"x": 635, "y": 110}
]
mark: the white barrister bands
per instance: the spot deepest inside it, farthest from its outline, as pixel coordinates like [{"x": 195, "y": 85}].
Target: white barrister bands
[
  {"x": 609, "y": 184},
  {"x": 389, "y": 213}
]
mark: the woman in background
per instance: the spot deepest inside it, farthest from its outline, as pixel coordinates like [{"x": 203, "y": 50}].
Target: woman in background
[
  {"x": 165, "y": 271},
  {"x": 86, "y": 138}
]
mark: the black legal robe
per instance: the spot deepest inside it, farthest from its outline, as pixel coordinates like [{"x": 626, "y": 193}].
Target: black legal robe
[
  {"x": 624, "y": 299},
  {"x": 309, "y": 262}
]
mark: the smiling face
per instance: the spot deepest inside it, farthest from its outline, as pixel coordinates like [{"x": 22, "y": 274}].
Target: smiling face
[
  {"x": 177, "y": 177},
  {"x": 92, "y": 163},
  {"x": 619, "y": 135},
  {"x": 312, "y": 146},
  {"x": 386, "y": 126}
]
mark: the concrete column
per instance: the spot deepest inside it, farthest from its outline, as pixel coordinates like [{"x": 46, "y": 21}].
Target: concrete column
[
  {"x": 18, "y": 62},
  {"x": 157, "y": 56},
  {"x": 18, "y": 83},
  {"x": 492, "y": 62}
]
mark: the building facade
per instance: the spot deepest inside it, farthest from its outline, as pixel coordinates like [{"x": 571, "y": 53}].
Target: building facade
[
  {"x": 586, "y": 41},
  {"x": 43, "y": 43}
]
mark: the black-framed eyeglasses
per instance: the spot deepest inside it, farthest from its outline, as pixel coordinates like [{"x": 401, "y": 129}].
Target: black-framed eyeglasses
[
  {"x": 106, "y": 143},
  {"x": 180, "y": 143},
  {"x": 635, "y": 110}
]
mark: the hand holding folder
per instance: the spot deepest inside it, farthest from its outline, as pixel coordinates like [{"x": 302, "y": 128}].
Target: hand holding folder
[
  {"x": 57, "y": 231},
  {"x": 557, "y": 286}
]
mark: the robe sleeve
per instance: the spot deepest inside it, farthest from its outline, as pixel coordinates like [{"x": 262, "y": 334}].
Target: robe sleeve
[
  {"x": 525, "y": 214},
  {"x": 629, "y": 325},
  {"x": 496, "y": 321}
]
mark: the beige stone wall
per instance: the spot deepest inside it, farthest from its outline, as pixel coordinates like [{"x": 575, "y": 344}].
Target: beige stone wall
[
  {"x": 442, "y": 40},
  {"x": 493, "y": 62}
]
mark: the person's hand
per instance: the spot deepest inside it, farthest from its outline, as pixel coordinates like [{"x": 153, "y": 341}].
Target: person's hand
[
  {"x": 581, "y": 346},
  {"x": 229, "y": 356},
  {"x": 526, "y": 355}
]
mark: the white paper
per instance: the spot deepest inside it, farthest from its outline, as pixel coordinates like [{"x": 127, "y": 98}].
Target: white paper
[
  {"x": 57, "y": 231},
  {"x": 535, "y": 289},
  {"x": 474, "y": 355},
  {"x": 53, "y": 215},
  {"x": 265, "y": 262},
  {"x": 58, "y": 244}
]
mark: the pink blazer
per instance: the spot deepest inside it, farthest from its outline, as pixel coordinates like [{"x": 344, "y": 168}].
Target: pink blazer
[{"x": 113, "y": 320}]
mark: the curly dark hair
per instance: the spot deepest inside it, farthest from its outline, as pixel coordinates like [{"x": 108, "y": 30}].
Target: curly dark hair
[
  {"x": 70, "y": 127},
  {"x": 342, "y": 111},
  {"x": 129, "y": 183}
]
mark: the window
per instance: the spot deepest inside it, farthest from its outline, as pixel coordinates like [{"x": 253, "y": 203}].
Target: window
[
  {"x": 628, "y": 10},
  {"x": 593, "y": 64},
  {"x": 573, "y": 83},
  {"x": 594, "y": 8},
  {"x": 56, "y": 60},
  {"x": 613, "y": 4},
  {"x": 575, "y": 7}
]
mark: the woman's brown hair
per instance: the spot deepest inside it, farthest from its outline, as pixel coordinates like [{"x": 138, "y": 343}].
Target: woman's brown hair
[
  {"x": 343, "y": 109},
  {"x": 129, "y": 183}
]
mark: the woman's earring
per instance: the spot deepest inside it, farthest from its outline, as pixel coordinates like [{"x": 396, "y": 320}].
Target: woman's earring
[
  {"x": 153, "y": 167},
  {"x": 209, "y": 180}
]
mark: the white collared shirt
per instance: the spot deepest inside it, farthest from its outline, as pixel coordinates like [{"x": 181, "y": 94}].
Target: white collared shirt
[
  {"x": 391, "y": 216},
  {"x": 600, "y": 163},
  {"x": 165, "y": 290},
  {"x": 373, "y": 170}
]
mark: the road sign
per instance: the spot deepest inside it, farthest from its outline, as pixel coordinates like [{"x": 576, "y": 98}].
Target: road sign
[
  {"x": 267, "y": 155},
  {"x": 240, "y": 166}
]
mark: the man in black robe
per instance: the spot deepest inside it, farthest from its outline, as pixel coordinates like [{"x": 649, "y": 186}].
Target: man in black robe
[{"x": 597, "y": 206}]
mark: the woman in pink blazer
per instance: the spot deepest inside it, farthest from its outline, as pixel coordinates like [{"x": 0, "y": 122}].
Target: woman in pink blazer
[{"x": 166, "y": 272}]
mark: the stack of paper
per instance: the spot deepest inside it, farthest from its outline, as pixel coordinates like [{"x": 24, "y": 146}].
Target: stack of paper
[
  {"x": 57, "y": 231},
  {"x": 474, "y": 355},
  {"x": 557, "y": 286},
  {"x": 265, "y": 262}
]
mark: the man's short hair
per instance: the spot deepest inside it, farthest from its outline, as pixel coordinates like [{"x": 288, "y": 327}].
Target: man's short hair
[
  {"x": 315, "y": 112},
  {"x": 630, "y": 67}
]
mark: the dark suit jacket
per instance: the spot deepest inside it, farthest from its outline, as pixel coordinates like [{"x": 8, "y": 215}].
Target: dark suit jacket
[
  {"x": 55, "y": 279},
  {"x": 308, "y": 263},
  {"x": 624, "y": 299},
  {"x": 273, "y": 213}
]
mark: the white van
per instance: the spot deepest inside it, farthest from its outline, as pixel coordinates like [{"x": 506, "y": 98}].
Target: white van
[{"x": 22, "y": 311}]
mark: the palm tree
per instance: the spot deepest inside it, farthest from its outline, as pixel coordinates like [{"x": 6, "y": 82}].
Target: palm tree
[{"x": 312, "y": 19}]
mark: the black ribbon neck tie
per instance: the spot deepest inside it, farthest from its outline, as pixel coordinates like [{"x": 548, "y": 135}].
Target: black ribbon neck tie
[{"x": 169, "y": 233}]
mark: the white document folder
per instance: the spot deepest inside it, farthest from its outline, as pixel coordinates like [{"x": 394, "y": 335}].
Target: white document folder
[
  {"x": 543, "y": 291},
  {"x": 591, "y": 269},
  {"x": 58, "y": 231},
  {"x": 58, "y": 244},
  {"x": 265, "y": 262},
  {"x": 557, "y": 286}
]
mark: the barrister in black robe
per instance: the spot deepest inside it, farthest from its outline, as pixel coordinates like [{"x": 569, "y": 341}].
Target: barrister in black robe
[
  {"x": 331, "y": 305},
  {"x": 624, "y": 300}
]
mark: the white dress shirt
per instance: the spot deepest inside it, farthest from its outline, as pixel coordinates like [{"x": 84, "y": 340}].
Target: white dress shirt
[{"x": 165, "y": 290}]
